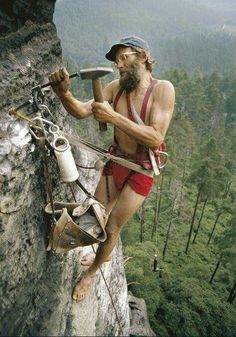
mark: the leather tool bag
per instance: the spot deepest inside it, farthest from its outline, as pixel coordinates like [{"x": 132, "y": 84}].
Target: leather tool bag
[{"x": 77, "y": 225}]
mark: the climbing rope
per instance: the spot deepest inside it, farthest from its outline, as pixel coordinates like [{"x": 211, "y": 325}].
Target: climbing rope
[
  {"x": 112, "y": 302},
  {"x": 155, "y": 258}
]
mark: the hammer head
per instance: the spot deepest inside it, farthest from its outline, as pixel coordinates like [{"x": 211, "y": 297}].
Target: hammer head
[{"x": 94, "y": 73}]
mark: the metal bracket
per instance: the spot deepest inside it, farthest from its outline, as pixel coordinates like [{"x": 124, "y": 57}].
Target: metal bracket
[
  {"x": 37, "y": 96},
  {"x": 33, "y": 133}
]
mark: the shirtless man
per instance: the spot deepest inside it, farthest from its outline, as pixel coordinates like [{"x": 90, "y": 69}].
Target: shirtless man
[{"x": 127, "y": 188}]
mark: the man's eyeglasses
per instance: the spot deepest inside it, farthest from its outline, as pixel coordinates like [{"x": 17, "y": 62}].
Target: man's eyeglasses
[{"x": 124, "y": 56}]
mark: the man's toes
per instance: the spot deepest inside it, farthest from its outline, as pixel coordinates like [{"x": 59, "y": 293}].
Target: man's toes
[
  {"x": 81, "y": 297},
  {"x": 78, "y": 294},
  {"x": 75, "y": 293},
  {"x": 74, "y": 296},
  {"x": 81, "y": 289}
]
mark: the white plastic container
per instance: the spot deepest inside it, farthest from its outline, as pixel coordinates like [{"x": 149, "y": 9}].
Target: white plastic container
[{"x": 65, "y": 159}]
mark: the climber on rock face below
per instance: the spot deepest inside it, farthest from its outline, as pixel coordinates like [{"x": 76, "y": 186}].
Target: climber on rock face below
[{"x": 154, "y": 102}]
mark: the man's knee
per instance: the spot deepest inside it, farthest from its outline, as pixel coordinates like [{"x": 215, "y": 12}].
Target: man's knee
[
  {"x": 113, "y": 231},
  {"x": 116, "y": 219},
  {"x": 114, "y": 225}
]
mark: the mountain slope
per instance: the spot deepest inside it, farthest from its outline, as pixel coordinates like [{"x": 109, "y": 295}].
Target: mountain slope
[{"x": 88, "y": 28}]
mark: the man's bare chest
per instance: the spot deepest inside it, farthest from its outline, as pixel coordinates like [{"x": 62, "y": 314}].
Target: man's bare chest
[{"x": 124, "y": 105}]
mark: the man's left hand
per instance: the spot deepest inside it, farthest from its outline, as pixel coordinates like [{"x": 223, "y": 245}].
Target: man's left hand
[{"x": 103, "y": 112}]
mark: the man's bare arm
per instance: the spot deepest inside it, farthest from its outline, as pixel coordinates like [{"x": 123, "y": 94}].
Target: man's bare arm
[
  {"x": 161, "y": 114},
  {"x": 162, "y": 107},
  {"x": 74, "y": 107},
  {"x": 61, "y": 86}
]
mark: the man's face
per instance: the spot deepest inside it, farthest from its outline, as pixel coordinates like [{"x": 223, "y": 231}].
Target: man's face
[{"x": 129, "y": 68}]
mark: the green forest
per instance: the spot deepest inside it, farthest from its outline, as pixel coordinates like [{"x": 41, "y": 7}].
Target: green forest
[
  {"x": 180, "y": 248},
  {"x": 185, "y": 33},
  {"x": 189, "y": 220}
]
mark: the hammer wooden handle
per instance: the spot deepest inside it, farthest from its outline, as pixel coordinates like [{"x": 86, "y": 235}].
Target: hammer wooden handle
[{"x": 98, "y": 97}]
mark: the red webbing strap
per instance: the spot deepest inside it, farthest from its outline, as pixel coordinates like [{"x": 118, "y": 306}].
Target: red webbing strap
[
  {"x": 145, "y": 100},
  {"x": 118, "y": 95},
  {"x": 144, "y": 105},
  {"x": 129, "y": 107}
]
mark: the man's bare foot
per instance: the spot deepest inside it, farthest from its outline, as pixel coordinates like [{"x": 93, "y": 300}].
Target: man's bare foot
[
  {"x": 82, "y": 287},
  {"x": 87, "y": 259}
]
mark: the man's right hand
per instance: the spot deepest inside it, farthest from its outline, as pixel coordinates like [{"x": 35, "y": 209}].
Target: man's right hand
[{"x": 60, "y": 82}]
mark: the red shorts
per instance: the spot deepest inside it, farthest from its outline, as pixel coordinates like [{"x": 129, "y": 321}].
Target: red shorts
[{"x": 139, "y": 182}]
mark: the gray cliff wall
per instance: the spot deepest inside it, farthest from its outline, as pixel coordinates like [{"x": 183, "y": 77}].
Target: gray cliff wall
[{"x": 35, "y": 285}]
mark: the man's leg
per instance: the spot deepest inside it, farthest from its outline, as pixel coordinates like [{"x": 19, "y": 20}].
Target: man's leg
[
  {"x": 127, "y": 204},
  {"x": 101, "y": 195},
  {"x": 107, "y": 190}
]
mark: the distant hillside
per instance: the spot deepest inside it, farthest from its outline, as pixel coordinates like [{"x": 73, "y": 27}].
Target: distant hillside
[{"x": 181, "y": 33}]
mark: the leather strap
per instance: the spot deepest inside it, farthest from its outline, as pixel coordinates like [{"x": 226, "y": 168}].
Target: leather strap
[
  {"x": 144, "y": 104},
  {"x": 128, "y": 100},
  {"x": 118, "y": 95},
  {"x": 146, "y": 99},
  {"x": 150, "y": 152},
  {"x": 75, "y": 140}
]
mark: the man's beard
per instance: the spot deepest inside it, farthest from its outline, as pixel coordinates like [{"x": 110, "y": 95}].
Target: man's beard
[{"x": 131, "y": 78}]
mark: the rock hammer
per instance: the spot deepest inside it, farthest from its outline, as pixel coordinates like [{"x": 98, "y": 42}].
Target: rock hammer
[{"x": 94, "y": 74}]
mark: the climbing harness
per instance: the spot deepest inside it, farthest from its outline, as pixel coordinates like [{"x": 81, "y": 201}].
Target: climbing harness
[
  {"x": 154, "y": 156},
  {"x": 158, "y": 157}
]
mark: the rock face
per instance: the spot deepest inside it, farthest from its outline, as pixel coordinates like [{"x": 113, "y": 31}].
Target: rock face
[
  {"x": 15, "y": 13},
  {"x": 138, "y": 318},
  {"x": 35, "y": 285}
]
